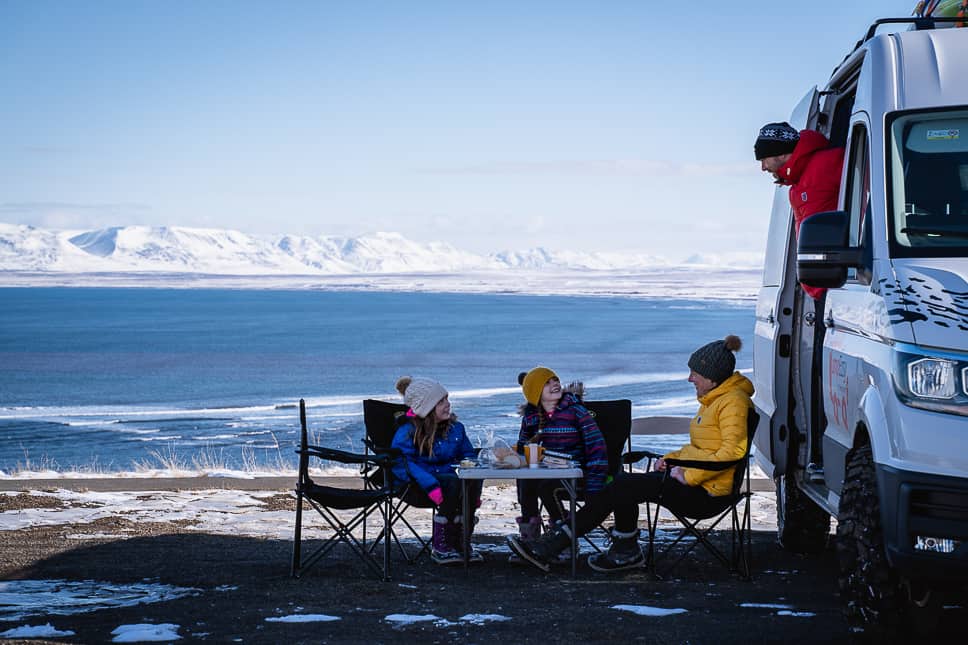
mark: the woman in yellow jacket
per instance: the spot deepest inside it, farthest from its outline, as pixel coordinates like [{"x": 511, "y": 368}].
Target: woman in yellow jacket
[{"x": 717, "y": 433}]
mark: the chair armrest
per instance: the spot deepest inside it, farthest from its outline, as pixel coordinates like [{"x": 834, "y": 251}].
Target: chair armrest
[
  {"x": 634, "y": 456},
  {"x": 381, "y": 450},
  {"x": 344, "y": 457},
  {"x": 704, "y": 465}
]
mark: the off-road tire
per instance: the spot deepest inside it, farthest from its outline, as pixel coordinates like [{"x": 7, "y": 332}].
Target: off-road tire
[
  {"x": 868, "y": 586},
  {"x": 801, "y": 525}
]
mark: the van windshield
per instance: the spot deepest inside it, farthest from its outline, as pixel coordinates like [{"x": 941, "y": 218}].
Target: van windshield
[{"x": 928, "y": 180}]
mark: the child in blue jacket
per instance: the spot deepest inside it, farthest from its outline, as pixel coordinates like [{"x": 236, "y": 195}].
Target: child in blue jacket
[{"x": 433, "y": 442}]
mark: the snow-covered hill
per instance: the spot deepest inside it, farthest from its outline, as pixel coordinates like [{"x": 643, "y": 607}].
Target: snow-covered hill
[{"x": 142, "y": 249}]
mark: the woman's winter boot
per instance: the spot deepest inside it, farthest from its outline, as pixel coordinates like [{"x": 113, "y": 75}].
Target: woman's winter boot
[
  {"x": 624, "y": 553},
  {"x": 543, "y": 551},
  {"x": 443, "y": 549}
]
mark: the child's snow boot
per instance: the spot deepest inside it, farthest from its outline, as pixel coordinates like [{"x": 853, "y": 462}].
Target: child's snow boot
[
  {"x": 529, "y": 530},
  {"x": 543, "y": 551},
  {"x": 442, "y": 549}
]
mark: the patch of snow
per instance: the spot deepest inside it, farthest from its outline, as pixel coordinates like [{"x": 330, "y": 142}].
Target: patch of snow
[
  {"x": 243, "y": 513},
  {"x": 303, "y": 618},
  {"x": 406, "y": 586},
  {"x": 409, "y": 619},
  {"x": 95, "y": 536},
  {"x": 765, "y": 605},
  {"x": 23, "y": 598},
  {"x": 645, "y": 610},
  {"x": 35, "y": 631},
  {"x": 480, "y": 619},
  {"x": 801, "y": 614},
  {"x": 145, "y": 632}
]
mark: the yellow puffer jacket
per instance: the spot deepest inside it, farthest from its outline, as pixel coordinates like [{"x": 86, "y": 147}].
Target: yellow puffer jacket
[{"x": 718, "y": 433}]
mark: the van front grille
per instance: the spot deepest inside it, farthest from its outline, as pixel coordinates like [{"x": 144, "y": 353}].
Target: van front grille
[{"x": 940, "y": 505}]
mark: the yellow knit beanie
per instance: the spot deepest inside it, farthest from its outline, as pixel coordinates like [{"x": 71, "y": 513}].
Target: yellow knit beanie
[{"x": 533, "y": 382}]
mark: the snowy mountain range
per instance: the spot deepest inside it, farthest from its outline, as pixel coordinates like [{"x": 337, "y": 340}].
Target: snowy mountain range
[{"x": 143, "y": 249}]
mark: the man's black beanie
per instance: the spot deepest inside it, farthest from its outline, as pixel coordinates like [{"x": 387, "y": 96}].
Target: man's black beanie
[{"x": 775, "y": 139}]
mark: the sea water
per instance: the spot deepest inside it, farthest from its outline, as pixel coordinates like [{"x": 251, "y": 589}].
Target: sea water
[{"x": 118, "y": 379}]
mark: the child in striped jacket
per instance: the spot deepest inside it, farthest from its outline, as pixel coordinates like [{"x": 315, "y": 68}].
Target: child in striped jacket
[{"x": 556, "y": 419}]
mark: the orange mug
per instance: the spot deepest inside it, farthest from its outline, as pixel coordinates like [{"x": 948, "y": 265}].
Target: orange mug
[{"x": 533, "y": 453}]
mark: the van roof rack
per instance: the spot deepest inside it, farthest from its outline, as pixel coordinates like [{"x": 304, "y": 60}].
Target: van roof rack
[{"x": 920, "y": 23}]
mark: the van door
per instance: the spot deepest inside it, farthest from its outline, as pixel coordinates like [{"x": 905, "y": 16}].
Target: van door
[
  {"x": 805, "y": 365},
  {"x": 850, "y": 336},
  {"x": 773, "y": 330}
]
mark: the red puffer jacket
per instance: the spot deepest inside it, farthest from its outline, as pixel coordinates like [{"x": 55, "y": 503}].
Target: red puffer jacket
[{"x": 813, "y": 175}]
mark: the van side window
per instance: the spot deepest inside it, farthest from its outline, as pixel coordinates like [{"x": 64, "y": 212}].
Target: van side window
[{"x": 858, "y": 199}]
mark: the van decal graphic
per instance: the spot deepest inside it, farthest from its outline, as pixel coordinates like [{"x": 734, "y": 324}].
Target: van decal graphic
[
  {"x": 916, "y": 304},
  {"x": 903, "y": 315}
]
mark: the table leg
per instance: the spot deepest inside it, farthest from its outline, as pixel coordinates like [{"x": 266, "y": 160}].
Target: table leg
[
  {"x": 573, "y": 494},
  {"x": 466, "y": 519}
]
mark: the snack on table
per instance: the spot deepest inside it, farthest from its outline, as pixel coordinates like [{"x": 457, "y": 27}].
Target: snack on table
[{"x": 509, "y": 460}]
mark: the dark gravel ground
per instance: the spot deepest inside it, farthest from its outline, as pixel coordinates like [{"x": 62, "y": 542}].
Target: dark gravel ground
[{"x": 242, "y": 581}]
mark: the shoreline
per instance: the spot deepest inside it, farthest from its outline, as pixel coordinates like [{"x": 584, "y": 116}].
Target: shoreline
[
  {"x": 275, "y": 483},
  {"x": 677, "y": 282},
  {"x": 238, "y": 480}
]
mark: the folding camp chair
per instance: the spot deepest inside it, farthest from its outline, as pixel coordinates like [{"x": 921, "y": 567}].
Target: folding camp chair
[
  {"x": 327, "y": 500},
  {"x": 614, "y": 419},
  {"x": 380, "y": 423},
  {"x": 740, "y": 550}
]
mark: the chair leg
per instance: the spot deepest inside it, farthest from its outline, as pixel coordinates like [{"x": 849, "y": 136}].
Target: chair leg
[
  {"x": 397, "y": 515},
  {"x": 385, "y": 512},
  {"x": 296, "y": 545},
  {"x": 653, "y": 522},
  {"x": 701, "y": 537},
  {"x": 343, "y": 532}
]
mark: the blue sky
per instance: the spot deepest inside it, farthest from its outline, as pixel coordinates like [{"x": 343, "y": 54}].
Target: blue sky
[{"x": 500, "y": 125}]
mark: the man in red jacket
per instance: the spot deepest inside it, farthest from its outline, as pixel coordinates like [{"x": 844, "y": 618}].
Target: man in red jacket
[{"x": 806, "y": 163}]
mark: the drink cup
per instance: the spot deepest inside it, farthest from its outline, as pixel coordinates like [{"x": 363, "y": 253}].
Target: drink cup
[{"x": 533, "y": 453}]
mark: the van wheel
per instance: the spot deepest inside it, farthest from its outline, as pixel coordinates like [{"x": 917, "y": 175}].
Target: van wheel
[
  {"x": 802, "y": 526},
  {"x": 867, "y": 584},
  {"x": 881, "y": 606}
]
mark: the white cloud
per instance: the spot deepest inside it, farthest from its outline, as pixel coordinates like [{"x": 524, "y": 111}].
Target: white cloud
[
  {"x": 71, "y": 215},
  {"x": 603, "y": 168}
]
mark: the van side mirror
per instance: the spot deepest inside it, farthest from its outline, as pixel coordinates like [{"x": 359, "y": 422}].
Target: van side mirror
[{"x": 823, "y": 250}]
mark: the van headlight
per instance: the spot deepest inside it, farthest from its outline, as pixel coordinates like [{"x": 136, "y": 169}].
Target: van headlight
[
  {"x": 938, "y": 383},
  {"x": 931, "y": 378}
]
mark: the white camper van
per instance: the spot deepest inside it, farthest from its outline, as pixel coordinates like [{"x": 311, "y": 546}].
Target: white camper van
[{"x": 865, "y": 409}]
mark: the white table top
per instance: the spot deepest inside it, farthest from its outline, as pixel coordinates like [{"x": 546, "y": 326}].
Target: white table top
[{"x": 541, "y": 472}]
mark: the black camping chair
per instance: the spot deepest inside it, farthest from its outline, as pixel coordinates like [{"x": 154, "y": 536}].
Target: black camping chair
[
  {"x": 614, "y": 419},
  {"x": 736, "y": 505},
  {"x": 380, "y": 420},
  {"x": 326, "y": 500}
]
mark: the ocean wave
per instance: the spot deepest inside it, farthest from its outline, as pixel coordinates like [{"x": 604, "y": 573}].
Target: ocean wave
[
  {"x": 624, "y": 378},
  {"x": 687, "y": 403},
  {"x": 122, "y": 414}
]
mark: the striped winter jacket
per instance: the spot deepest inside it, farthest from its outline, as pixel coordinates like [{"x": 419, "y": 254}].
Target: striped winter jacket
[{"x": 569, "y": 428}]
